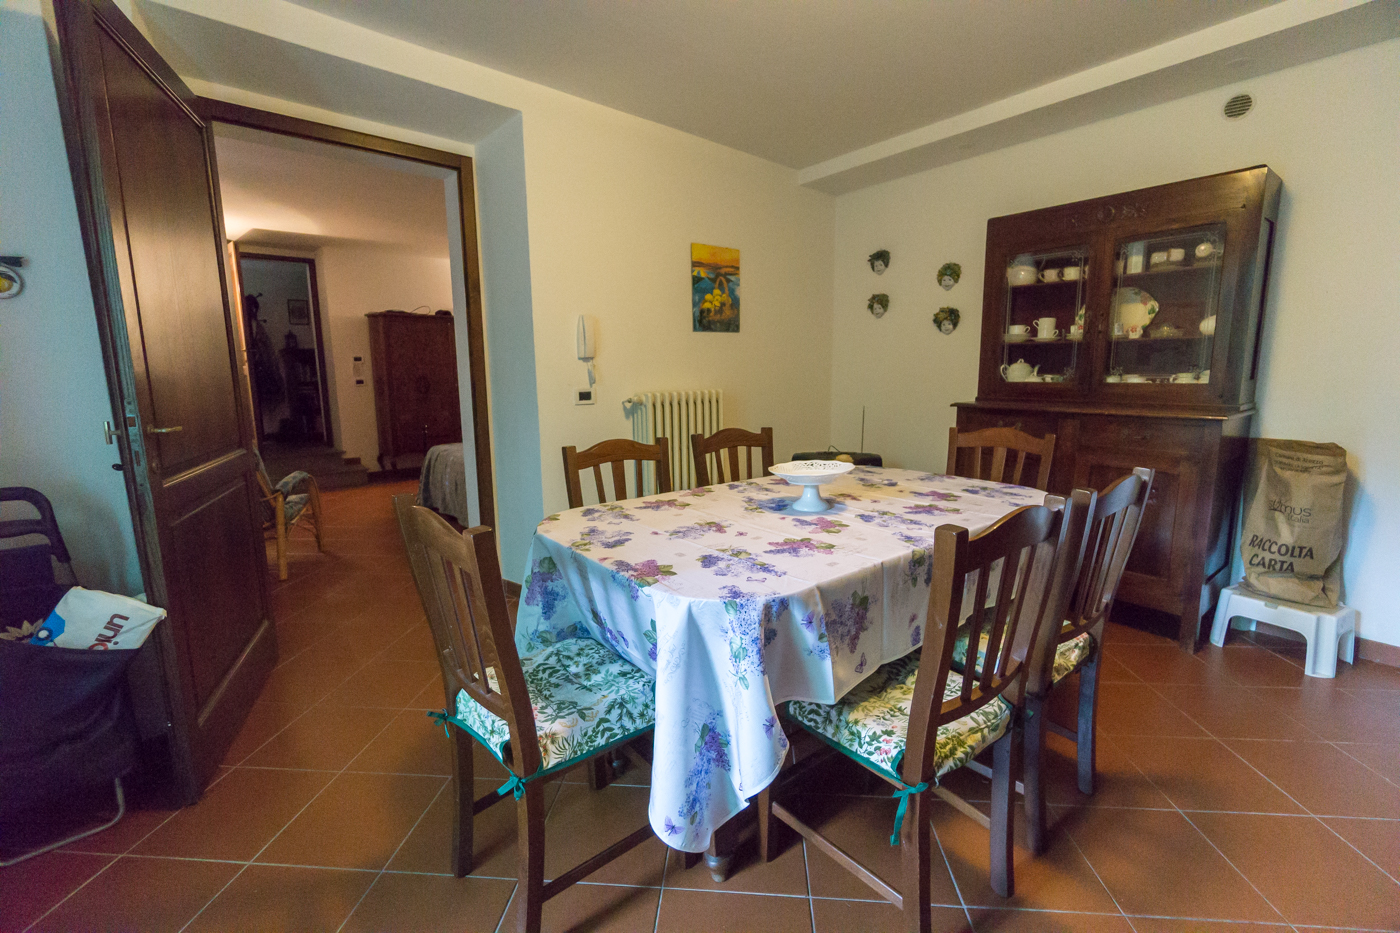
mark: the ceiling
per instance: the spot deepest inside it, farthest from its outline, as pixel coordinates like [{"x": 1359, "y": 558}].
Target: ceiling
[
  {"x": 849, "y": 92},
  {"x": 796, "y": 83},
  {"x": 279, "y": 191}
]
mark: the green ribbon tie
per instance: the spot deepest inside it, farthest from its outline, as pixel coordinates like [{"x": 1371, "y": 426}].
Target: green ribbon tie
[
  {"x": 513, "y": 784},
  {"x": 442, "y": 719},
  {"x": 904, "y": 796}
]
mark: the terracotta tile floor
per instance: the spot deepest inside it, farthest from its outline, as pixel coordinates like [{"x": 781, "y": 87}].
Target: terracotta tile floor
[{"x": 1235, "y": 794}]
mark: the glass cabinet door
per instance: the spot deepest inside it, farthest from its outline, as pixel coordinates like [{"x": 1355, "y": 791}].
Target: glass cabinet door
[
  {"x": 1045, "y": 308},
  {"x": 1164, "y": 305}
]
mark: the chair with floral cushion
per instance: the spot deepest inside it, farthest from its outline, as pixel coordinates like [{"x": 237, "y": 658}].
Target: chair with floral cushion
[
  {"x": 911, "y": 729},
  {"x": 538, "y": 715},
  {"x": 284, "y": 507},
  {"x": 1109, "y": 525},
  {"x": 1108, "y": 542}
]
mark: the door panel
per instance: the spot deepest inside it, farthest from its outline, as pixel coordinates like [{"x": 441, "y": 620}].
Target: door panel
[
  {"x": 423, "y": 359},
  {"x": 143, "y": 172},
  {"x": 179, "y": 292},
  {"x": 1156, "y": 572},
  {"x": 210, "y": 572}
]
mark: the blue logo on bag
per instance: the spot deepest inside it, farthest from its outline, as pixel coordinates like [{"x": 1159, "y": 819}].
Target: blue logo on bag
[{"x": 52, "y": 628}]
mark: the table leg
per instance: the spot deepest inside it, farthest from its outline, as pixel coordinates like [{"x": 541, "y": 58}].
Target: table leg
[
  {"x": 718, "y": 864},
  {"x": 723, "y": 843}
]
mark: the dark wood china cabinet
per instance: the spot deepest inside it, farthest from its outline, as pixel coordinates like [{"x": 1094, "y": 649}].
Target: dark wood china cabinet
[{"x": 1130, "y": 326}]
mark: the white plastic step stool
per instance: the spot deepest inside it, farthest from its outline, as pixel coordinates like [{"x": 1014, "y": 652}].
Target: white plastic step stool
[{"x": 1323, "y": 628}]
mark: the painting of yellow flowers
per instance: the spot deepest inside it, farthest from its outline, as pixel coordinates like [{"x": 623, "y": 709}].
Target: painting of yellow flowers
[{"x": 714, "y": 288}]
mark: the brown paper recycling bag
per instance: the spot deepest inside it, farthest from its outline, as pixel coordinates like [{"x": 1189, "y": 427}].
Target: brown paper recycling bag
[{"x": 1294, "y": 529}]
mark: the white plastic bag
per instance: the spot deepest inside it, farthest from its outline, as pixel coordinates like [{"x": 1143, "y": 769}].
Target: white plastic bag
[{"x": 99, "y": 621}]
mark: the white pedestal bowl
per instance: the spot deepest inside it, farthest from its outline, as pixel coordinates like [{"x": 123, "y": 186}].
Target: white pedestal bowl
[{"x": 810, "y": 474}]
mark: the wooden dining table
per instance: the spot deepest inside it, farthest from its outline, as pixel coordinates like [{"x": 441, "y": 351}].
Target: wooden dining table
[{"x": 733, "y": 603}]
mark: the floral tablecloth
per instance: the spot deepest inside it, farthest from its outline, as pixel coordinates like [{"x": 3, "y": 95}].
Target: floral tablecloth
[{"x": 732, "y": 603}]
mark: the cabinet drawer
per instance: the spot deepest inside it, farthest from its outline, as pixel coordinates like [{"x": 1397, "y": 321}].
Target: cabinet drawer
[
  {"x": 1036, "y": 424},
  {"x": 1142, "y": 433}
]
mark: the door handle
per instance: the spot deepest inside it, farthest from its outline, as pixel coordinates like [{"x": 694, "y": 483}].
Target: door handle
[{"x": 175, "y": 429}]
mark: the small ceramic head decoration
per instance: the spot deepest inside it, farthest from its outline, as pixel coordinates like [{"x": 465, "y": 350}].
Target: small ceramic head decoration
[
  {"x": 878, "y": 305},
  {"x": 879, "y": 261},
  {"x": 948, "y": 275},
  {"x": 947, "y": 319}
]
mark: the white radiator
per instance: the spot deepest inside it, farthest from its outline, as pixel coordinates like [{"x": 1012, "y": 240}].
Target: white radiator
[{"x": 676, "y": 416}]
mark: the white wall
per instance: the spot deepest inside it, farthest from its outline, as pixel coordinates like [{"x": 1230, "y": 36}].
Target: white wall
[
  {"x": 53, "y": 389},
  {"x": 353, "y": 280},
  {"x": 613, "y": 203},
  {"x": 1331, "y": 370},
  {"x": 504, "y": 241}
]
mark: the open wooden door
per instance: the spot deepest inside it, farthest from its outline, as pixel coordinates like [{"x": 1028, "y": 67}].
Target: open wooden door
[{"x": 143, "y": 172}]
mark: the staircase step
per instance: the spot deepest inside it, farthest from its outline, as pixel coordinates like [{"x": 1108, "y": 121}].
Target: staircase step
[{"x": 332, "y": 469}]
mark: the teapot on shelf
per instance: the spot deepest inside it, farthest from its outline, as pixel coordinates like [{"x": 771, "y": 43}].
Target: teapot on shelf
[{"x": 1020, "y": 371}]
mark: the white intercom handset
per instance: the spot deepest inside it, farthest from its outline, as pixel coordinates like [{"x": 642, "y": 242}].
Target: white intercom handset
[{"x": 587, "y": 344}]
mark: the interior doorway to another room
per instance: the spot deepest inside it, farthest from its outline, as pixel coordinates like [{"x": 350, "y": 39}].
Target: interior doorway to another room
[
  {"x": 286, "y": 353},
  {"x": 356, "y": 281}
]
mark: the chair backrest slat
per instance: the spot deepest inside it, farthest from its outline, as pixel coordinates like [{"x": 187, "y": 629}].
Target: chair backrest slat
[
  {"x": 1032, "y": 586},
  {"x": 1000, "y": 441},
  {"x": 724, "y": 445},
  {"x": 1115, "y": 528},
  {"x": 458, "y": 577},
  {"x": 615, "y": 453}
]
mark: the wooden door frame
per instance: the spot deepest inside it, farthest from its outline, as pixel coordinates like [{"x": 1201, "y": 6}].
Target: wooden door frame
[
  {"x": 316, "y": 331},
  {"x": 219, "y": 111}
]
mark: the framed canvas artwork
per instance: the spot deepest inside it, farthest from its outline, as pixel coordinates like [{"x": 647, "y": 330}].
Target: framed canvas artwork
[{"x": 714, "y": 288}]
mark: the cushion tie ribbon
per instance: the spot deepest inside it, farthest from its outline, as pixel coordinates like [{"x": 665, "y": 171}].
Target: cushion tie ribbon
[
  {"x": 515, "y": 785},
  {"x": 442, "y": 719},
  {"x": 903, "y": 796}
]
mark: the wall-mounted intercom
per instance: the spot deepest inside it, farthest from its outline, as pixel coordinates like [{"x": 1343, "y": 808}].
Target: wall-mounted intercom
[{"x": 587, "y": 336}]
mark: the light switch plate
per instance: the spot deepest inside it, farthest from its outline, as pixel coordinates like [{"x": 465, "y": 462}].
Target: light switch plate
[{"x": 583, "y": 396}]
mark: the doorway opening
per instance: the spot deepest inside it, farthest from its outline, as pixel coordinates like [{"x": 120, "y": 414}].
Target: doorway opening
[
  {"x": 357, "y": 302},
  {"x": 286, "y": 352}
]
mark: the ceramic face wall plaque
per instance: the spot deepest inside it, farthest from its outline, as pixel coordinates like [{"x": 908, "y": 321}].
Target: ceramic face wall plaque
[
  {"x": 878, "y": 305},
  {"x": 947, "y": 319},
  {"x": 879, "y": 261},
  {"x": 949, "y": 274}
]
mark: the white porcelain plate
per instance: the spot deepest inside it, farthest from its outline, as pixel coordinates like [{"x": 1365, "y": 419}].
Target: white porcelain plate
[{"x": 811, "y": 474}]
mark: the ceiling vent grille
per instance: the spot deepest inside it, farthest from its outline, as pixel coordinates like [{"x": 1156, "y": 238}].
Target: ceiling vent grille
[{"x": 1238, "y": 106}]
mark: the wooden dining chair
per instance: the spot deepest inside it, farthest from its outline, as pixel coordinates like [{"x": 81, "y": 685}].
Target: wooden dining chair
[
  {"x": 725, "y": 445},
  {"x": 538, "y": 716},
  {"x": 990, "y": 449},
  {"x": 286, "y": 503},
  {"x": 911, "y": 730},
  {"x": 616, "y": 453},
  {"x": 1108, "y": 542}
]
